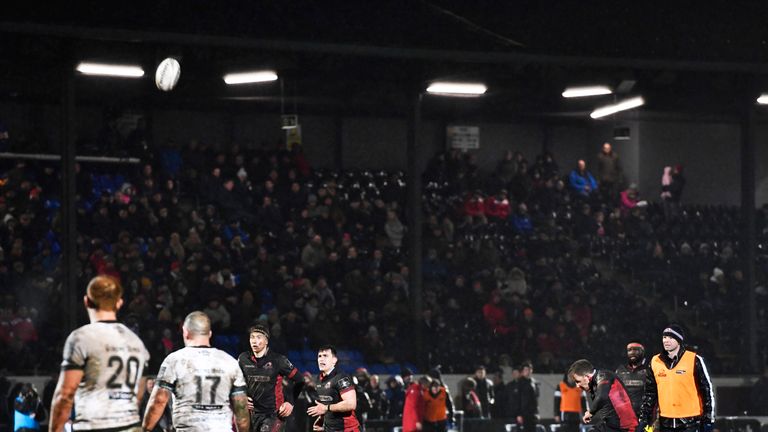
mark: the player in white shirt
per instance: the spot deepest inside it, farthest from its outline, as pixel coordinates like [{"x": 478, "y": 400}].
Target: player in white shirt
[
  {"x": 206, "y": 383},
  {"x": 102, "y": 372}
]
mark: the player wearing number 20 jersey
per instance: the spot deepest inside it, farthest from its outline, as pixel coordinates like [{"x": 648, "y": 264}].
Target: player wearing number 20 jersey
[
  {"x": 202, "y": 379},
  {"x": 112, "y": 359},
  {"x": 102, "y": 372}
]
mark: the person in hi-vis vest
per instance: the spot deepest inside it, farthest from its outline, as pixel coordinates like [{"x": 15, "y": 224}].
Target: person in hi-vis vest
[
  {"x": 679, "y": 382},
  {"x": 570, "y": 403}
]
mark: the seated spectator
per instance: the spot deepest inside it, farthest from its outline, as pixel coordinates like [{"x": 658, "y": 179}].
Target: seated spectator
[
  {"x": 521, "y": 220},
  {"x": 497, "y": 207},
  {"x": 220, "y": 318},
  {"x": 394, "y": 229},
  {"x": 630, "y": 198},
  {"x": 474, "y": 207},
  {"x": 581, "y": 180},
  {"x": 313, "y": 255},
  {"x": 495, "y": 315}
]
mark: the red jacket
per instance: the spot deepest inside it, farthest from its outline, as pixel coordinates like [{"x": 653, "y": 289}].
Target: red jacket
[
  {"x": 474, "y": 207},
  {"x": 497, "y": 208},
  {"x": 496, "y": 318},
  {"x": 413, "y": 408}
]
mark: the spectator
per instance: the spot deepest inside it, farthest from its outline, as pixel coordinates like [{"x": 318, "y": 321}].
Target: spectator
[
  {"x": 474, "y": 208},
  {"x": 500, "y": 408},
  {"x": 313, "y": 255},
  {"x": 437, "y": 404},
  {"x": 581, "y": 180},
  {"x": 378, "y": 399},
  {"x": 496, "y": 318},
  {"x": 506, "y": 168},
  {"x": 485, "y": 391},
  {"x": 394, "y": 229},
  {"x": 569, "y": 404},
  {"x": 673, "y": 183},
  {"x": 497, "y": 207},
  {"x": 521, "y": 221},
  {"x": 28, "y": 409},
  {"x": 609, "y": 172},
  {"x": 528, "y": 411},
  {"x": 220, "y": 318},
  {"x": 630, "y": 198},
  {"x": 413, "y": 408},
  {"x": 467, "y": 399},
  {"x": 395, "y": 396}
]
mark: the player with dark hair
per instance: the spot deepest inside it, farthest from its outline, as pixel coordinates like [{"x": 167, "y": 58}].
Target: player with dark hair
[
  {"x": 336, "y": 400},
  {"x": 632, "y": 374},
  {"x": 610, "y": 408},
  {"x": 264, "y": 372},
  {"x": 102, "y": 371}
]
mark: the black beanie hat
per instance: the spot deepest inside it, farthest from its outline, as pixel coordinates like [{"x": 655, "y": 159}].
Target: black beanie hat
[{"x": 674, "y": 331}]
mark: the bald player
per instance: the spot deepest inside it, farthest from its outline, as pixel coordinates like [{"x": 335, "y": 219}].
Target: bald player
[
  {"x": 206, "y": 384},
  {"x": 102, "y": 370}
]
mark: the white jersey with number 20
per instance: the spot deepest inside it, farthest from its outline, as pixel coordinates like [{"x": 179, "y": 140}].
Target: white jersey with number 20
[{"x": 112, "y": 359}]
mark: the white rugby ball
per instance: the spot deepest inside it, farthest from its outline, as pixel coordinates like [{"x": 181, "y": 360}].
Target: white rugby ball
[{"x": 167, "y": 74}]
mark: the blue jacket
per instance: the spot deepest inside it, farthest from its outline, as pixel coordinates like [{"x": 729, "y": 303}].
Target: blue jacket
[
  {"x": 21, "y": 420},
  {"x": 580, "y": 182}
]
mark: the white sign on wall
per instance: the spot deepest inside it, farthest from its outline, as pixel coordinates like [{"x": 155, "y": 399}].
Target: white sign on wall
[{"x": 463, "y": 137}]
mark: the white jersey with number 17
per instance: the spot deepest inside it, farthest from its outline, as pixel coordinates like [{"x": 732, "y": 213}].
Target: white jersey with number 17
[
  {"x": 113, "y": 360},
  {"x": 202, "y": 379}
]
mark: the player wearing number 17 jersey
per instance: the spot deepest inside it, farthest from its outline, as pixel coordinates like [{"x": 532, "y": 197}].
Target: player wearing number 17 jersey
[
  {"x": 102, "y": 371},
  {"x": 206, "y": 384}
]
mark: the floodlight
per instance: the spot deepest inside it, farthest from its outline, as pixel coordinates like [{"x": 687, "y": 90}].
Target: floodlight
[
  {"x": 574, "y": 92},
  {"x": 114, "y": 70},
  {"x": 621, "y": 106},
  {"x": 250, "y": 77},
  {"x": 457, "y": 89}
]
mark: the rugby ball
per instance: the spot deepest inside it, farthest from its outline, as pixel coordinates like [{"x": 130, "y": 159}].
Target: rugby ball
[{"x": 167, "y": 74}]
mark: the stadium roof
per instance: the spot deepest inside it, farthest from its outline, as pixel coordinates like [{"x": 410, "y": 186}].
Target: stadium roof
[{"x": 371, "y": 56}]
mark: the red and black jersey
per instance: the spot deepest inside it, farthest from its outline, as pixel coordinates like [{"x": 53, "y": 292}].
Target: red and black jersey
[
  {"x": 329, "y": 391},
  {"x": 264, "y": 377},
  {"x": 610, "y": 404},
  {"x": 633, "y": 378}
]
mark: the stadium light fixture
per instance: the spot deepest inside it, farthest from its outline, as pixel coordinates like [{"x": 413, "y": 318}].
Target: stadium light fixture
[
  {"x": 113, "y": 70},
  {"x": 621, "y": 106},
  {"x": 250, "y": 77},
  {"x": 575, "y": 92},
  {"x": 457, "y": 89},
  {"x": 763, "y": 99}
]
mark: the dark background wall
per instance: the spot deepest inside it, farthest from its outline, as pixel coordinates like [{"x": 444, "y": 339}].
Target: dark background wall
[
  {"x": 708, "y": 150},
  {"x": 709, "y": 153}
]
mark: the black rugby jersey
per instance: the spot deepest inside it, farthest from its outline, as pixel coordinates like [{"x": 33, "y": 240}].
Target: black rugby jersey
[
  {"x": 329, "y": 390},
  {"x": 264, "y": 377}
]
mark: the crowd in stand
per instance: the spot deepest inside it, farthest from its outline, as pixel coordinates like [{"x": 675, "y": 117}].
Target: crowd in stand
[{"x": 529, "y": 262}]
